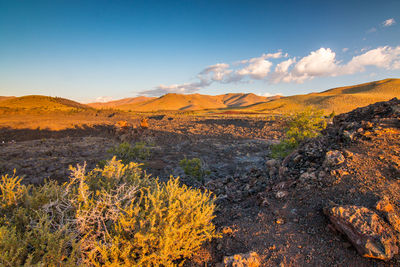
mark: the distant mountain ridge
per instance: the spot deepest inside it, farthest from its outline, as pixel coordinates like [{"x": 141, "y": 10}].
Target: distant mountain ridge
[
  {"x": 340, "y": 100},
  {"x": 174, "y": 101}
]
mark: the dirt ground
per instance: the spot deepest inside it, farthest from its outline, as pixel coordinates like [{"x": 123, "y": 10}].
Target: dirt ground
[{"x": 287, "y": 229}]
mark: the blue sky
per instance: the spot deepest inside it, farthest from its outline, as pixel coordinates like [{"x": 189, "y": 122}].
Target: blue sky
[{"x": 88, "y": 50}]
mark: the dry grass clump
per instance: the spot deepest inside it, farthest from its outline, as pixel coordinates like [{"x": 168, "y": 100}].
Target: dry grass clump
[{"x": 111, "y": 216}]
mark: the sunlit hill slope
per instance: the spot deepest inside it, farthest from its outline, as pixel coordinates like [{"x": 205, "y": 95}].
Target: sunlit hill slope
[
  {"x": 42, "y": 103},
  {"x": 184, "y": 102},
  {"x": 340, "y": 100}
]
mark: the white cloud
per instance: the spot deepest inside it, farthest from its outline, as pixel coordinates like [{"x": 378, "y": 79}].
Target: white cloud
[
  {"x": 322, "y": 62},
  {"x": 219, "y": 71},
  {"x": 185, "y": 88},
  {"x": 318, "y": 63},
  {"x": 267, "y": 94},
  {"x": 389, "y": 22},
  {"x": 382, "y": 57},
  {"x": 264, "y": 56},
  {"x": 345, "y": 49},
  {"x": 396, "y": 65},
  {"x": 373, "y": 29},
  {"x": 258, "y": 68},
  {"x": 281, "y": 71},
  {"x": 104, "y": 99},
  {"x": 255, "y": 68}
]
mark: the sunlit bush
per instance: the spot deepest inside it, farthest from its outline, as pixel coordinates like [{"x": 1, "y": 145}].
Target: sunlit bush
[
  {"x": 301, "y": 126},
  {"x": 113, "y": 216}
]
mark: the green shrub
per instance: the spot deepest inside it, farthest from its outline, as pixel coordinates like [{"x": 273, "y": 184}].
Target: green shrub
[
  {"x": 127, "y": 153},
  {"x": 301, "y": 126},
  {"x": 194, "y": 168},
  {"x": 112, "y": 216}
]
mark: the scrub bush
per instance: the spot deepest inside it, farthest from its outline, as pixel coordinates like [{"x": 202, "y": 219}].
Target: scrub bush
[
  {"x": 194, "y": 168},
  {"x": 127, "y": 153},
  {"x": 112, "y": 216},
  {"x": 303, "y": 125}
]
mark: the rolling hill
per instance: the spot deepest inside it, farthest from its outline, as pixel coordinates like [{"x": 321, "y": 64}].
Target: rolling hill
[
  {"x": 120, "y": 102},
  {"x": 184, "y": 102},
  {"x": 6, "y": 97},
  {"x": 42, "y": 103},
  {"x": 340, "y": 100}
]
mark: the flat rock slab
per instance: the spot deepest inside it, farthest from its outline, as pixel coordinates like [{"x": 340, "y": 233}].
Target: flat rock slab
[{"x": 369, "y": 234}]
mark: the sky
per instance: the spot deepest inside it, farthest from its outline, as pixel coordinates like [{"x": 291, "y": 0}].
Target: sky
[{"x": 97, "y": 50}]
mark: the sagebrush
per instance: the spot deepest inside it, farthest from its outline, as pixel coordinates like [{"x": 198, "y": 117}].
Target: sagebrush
[{"x": 112, "y": 216}]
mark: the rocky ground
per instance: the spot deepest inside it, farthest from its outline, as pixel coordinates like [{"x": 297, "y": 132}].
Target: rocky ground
[{"x": 278, "y": 213}]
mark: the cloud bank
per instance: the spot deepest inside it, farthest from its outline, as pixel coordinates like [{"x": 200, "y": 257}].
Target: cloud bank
[{"x": 280, "y": 68}]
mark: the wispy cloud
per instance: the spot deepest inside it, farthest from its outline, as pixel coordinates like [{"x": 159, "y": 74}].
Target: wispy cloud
[
  {"x": 104, "y": 99},
  {"x": 268, "y": 94},
  {"x": 256, "y": 68},
  {"x": 388, "y": 22},
  {"x": 185, "y": 88},
  {"x": 268, "y": 68}
]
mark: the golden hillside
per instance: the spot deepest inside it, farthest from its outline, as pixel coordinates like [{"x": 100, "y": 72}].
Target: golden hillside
[
  {"x": 42, "y": 103},
  {"x": 120, "y": 102},
  {"x": 340, "y": 100},
  {"x": 184, "y": 102},
  {"x": 5, "y": 97}
]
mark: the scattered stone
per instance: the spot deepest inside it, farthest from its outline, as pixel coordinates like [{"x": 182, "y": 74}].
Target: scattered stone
[
  {"x": 390, "y": 213},
  {"x": 368, "y": 233},
  {"x": 347, "y": 153},
  {"x": 280, "y": 186},
  {"x": 308, "y": 177},
  {"x": 251, "y": 259},
  {"x": 297, "y": 158},
  {"x": 281, "y": 194},
  {"x": 144, "y": 123},
  {"x": 272, "y": 163},
  {"x": 333, "y": 158},
  {"x": 348, "y": 135}
]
